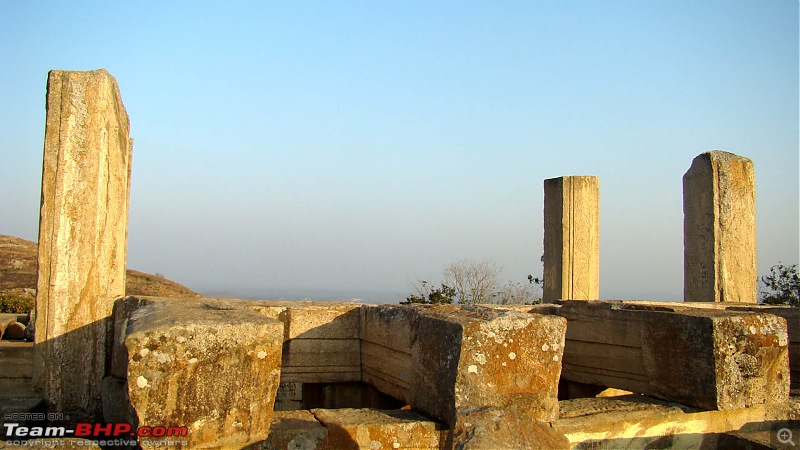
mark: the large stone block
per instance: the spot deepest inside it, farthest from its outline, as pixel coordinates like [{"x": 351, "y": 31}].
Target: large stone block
[
  {"x": 321, "y": 340},
  {"x": 387, "y": 338},
  {"x": 295, "y": 430},
  {"x": 321, "y": 360},
  {"x": 388, "y": 370},
  {"x": 707, "y": 358},
  {"x": 82, "y": 237},
  {"x": 494, "y": 428},
  {"x": 472, "y": 356},
  {"x": 314, "y": 320},
  {"x": 719, "y": 229},
  {"x": 792, "y": 316},
  {"x": 210, "y": 365},
  {"x": 571, "y": 238},
  {"x": 376, "y": 429},
  {"x": 123, "y": 309},
  {"x": 442, "y": 359}
]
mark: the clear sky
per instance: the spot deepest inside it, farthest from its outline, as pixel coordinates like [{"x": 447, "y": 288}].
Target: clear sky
[{"x": 357, "y": 146}]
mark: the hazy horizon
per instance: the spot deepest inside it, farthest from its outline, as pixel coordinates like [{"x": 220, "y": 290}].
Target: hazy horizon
[{"x": 356, "y": 147}]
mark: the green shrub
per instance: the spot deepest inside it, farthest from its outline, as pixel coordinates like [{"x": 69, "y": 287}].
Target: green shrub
[
  {"x": 781, "y": 286},
  {"x": 15, "y": 304}
]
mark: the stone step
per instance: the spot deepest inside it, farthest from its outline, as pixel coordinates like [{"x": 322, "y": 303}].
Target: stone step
[
  {"x": 16, "y": 387},
  {"x": 16, "y": 367},
  {"x": 16, "y": 405},
  {"x": 16, "y": 349}
]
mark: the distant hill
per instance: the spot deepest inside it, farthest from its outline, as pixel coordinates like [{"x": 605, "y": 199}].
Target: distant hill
[{"x": 18, "y": 264}]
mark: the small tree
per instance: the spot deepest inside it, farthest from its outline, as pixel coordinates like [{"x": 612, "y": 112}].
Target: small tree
[
  {"x": 781, "y": 286},
  {"x": 471, "y": 282}
]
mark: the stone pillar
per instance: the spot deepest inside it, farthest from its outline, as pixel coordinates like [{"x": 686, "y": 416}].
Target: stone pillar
[
  {"x": 571, "y": 238},
  {"x": 719, "y": 229},
  {"x": 82, "y": 238}
]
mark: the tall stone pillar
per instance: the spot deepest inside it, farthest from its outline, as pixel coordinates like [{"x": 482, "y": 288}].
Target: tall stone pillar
[
  {"x": 719, "y": 229},
  {"x": 82, "y": 237},
  {"x": 571, "y": 238}
]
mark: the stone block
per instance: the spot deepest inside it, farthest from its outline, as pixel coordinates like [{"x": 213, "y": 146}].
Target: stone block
[
  {"x": 296, "y": 430},
  {"x": 388, "y": 370},
  {"x": 321, "y": 360},
  {"x": 116, "y": 403},
  {"x": 388, "y": 326},
  {"x": 321, "y": 374},
  {"x": 322, "y": 353},
  {"x": 473, "y": 356},
  {"x": 707, "y": 358},
  {"x": 792, "y": 316},
  {"x": 322, "y": 320},
  {"x": 719, "y": 229},
  {"x": 210, "y": 365},
  {"x": 571, "y": 238},
  {"x": 123, "y": 309},
  {"x": 82, "y": 237},
  {"x": 5, "y": 321},
  {"x": 374, "y": 429},
  {"x": 386, "y": 345},
  {"x": 321, "y": 340},
  {"x": 14, "y": 331},
  {"x": 494, "y": 428},
  {"x": 637, "y": 421}
]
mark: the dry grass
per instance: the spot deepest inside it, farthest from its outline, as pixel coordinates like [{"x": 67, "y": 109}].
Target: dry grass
[{"x": 19, "y": 262}]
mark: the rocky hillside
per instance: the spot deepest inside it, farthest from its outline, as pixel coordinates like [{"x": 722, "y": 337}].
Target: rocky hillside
[{"x": 18, "y": 262}]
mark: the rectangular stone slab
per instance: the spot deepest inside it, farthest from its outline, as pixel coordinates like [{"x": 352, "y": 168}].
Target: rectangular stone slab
[
  {"x": 451, "y": 357},
  {"x": 792, "y": 316},
  {"x": 386, "y": 349},
  {"x": 711, "y": 359},
  {"x": 321, "y": 360},
  {"x": 211, "y": 365},
  {"x": 379, "y": 429},
  {"x": 82, "y": 237},
  {"x": 294, "y": 430},
  {"x": 472, "y": 356},
  {"x": 637, "y": 421},
  {"x": 321, "y": 353},
  {"x": 321, "y": 340},
  {"x": 313, "y": 320},
  {"x": 387, "y": 369}
]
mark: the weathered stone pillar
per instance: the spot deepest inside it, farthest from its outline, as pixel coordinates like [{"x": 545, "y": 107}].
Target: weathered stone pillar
[
  {"x": 719, "y": 229},
  {"x": 82, "y": 237},
  {"x": 571, "y": 238}
]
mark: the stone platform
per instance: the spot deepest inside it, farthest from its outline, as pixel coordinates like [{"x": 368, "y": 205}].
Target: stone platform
[{"x": 636, "y": 421}]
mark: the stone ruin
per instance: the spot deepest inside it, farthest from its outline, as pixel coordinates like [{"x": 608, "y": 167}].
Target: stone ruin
[{"x": 574, "y": 372}]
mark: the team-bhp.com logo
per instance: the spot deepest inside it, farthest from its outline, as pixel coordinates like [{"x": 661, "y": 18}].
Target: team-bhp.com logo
[{"x": 93, "y": 431}]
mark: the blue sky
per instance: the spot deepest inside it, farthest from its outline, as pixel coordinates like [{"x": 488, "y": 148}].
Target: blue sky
[{"x": 357, "y": 146}]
